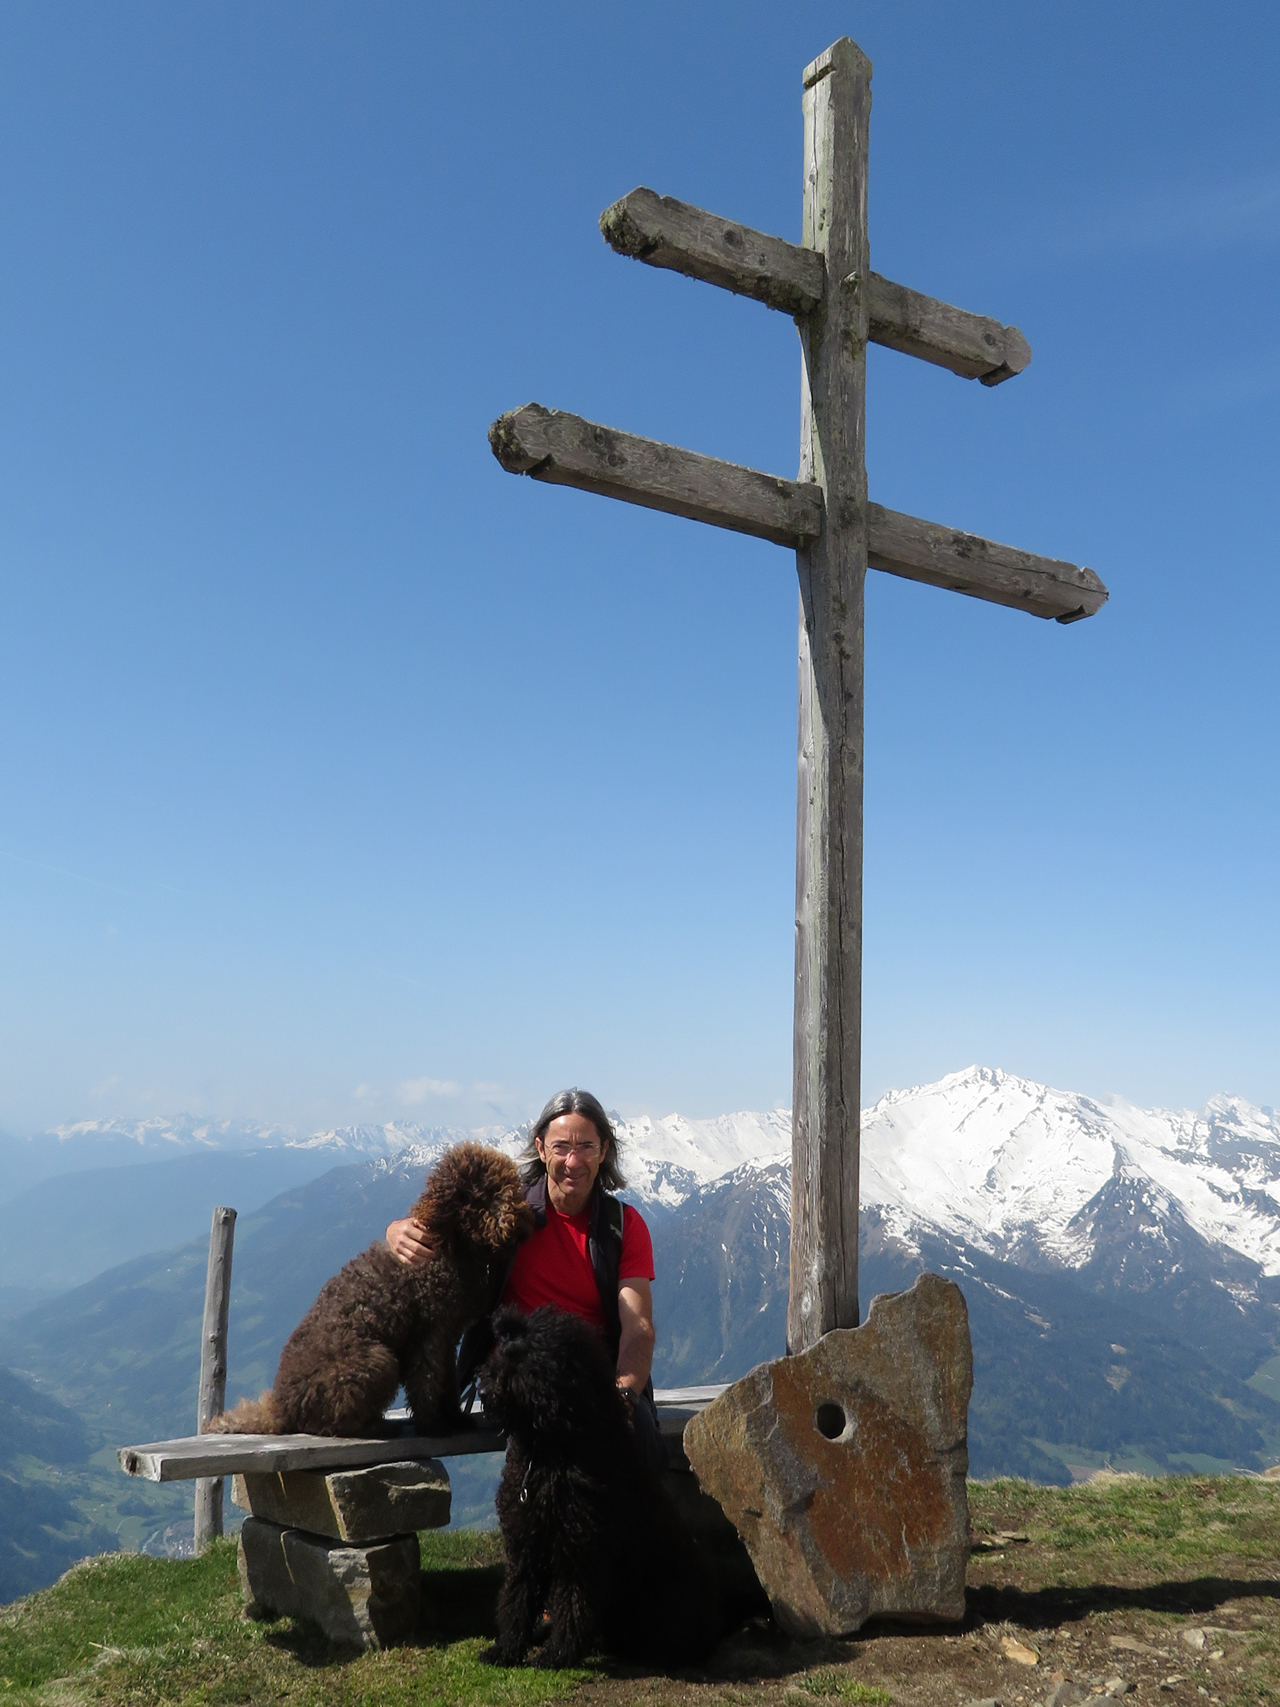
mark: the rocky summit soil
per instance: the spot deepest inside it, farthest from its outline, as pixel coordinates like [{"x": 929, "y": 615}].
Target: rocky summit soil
[{"x": 1154, "y": 1591}]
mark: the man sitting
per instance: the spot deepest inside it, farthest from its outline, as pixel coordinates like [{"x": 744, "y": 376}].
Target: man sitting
[{"x": 590, "y": 1255}]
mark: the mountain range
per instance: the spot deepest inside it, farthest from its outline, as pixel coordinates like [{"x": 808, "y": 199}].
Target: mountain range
[
  {"x": 1121, "y": 1266},
  {"x": 1020, "y": 1171},
  {"x": 104, "y": 1144}
]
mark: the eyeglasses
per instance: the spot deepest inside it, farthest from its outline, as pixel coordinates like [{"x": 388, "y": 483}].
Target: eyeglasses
[{"x": 562, "y": 1152}]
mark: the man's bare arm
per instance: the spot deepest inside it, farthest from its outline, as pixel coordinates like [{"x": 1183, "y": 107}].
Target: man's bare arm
[{"x": 635, "y": 1349}]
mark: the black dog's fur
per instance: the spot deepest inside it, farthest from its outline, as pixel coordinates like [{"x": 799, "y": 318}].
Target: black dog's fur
[
  {"x": 381, "y": 1322},
  {"x": 590, "y": 1537}
]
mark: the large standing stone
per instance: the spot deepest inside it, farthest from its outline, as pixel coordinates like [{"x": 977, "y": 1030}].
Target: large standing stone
[
  {"x": 364, "y": 1597},
  {"x": 350, "y": 1505},
  {"x": 843, "y": 1468}
]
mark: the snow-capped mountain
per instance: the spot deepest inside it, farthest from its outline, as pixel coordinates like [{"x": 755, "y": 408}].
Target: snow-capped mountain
[
  {"x": 1121, "y": 1266},
  {"x": 665, "y": 1160},
  {"x": 165, "y": 1135},
  {"x": 392, "y": 1138},
  {"x": 987, "y": 1160},
  {"x": 1017, "y": 1170},
  {"x": 181, "y": 1134},
  {"x": 93, "y": 1144}
]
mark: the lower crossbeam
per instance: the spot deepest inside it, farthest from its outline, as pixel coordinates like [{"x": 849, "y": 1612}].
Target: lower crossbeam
[{"x": 566, "y": 450}]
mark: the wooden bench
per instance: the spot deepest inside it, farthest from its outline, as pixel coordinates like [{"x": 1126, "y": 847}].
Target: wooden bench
[
  {"x": 200, "y": 1455},
  {"x": 332, "y": 1531}
]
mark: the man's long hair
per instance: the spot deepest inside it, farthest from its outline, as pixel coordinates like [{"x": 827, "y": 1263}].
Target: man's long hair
[{"x": 574, "y": 1101}]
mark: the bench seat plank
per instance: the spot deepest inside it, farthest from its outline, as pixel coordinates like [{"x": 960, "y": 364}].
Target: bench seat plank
[{"x": 233, "y": 1454}]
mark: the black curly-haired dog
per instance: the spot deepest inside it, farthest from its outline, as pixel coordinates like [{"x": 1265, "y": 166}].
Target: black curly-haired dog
[
  {"x": 381, "y": 1322},
  {"x": 589, "y": 1534}
]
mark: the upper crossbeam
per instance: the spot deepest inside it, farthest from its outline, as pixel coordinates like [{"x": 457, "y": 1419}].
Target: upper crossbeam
[
  {"x": 668, "y": 233},
  {"x": 566, "y": 450}
]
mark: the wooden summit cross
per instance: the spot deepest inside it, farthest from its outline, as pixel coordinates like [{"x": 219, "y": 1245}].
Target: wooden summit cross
[{"x": 838, "y": 304}]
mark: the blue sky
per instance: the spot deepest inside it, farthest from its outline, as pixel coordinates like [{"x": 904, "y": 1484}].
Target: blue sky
[{"x": 343, "y": 776}]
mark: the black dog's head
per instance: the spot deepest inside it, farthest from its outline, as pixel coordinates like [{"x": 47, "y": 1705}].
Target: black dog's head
[{"x": 549, "y": 1378}]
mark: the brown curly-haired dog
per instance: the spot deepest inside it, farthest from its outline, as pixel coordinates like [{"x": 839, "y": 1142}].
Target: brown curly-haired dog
[{"x": 381, "y": 1322}]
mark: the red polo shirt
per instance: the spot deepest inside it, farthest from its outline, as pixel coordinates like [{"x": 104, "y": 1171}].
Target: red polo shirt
[{"x": 554, "y": 1266}]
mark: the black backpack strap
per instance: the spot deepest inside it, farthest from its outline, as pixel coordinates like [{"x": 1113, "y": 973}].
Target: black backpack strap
[
  {"x": 608, "y": 1274},
  {"x": 604, "y": 1243},
  {"x": 477, "y": 1341}
]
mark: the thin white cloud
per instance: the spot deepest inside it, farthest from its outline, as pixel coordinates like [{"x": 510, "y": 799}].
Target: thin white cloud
[{"x": 421, "y": 1090}]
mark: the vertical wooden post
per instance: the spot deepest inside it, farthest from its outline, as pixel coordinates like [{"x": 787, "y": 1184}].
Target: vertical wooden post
[
  {"x": 213, "y": 1366},
  {"x": 828, "y": 1001}
]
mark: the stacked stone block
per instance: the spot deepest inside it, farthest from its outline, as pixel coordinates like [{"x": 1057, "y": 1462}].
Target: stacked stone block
[{"x": 340, "y": 1548}]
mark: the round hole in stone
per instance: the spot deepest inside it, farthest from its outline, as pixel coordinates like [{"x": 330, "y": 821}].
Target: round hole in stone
[{"x": 829, "y": 1419}]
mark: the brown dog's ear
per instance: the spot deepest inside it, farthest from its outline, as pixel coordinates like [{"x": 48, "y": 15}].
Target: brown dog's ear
[
  {"x": 500, "y": 1218},
  {"x": 448, "y": 1189},
  {"x": 505, "y": 1223},
  {"x": 517, "y": 1222},
  {"x": 421, "y": 1212}
]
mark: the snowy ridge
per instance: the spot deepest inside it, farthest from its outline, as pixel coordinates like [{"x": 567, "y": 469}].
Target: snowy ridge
[
  {"x": 393, "y": 1138},
  {"x": 160, "y": 1136},
  {"x": 665, "y": 1160},
  {"x": 989, "y": 1160},
  {"x": 1008, "y": 1165},
  {"x": 177, "y": 1134}
]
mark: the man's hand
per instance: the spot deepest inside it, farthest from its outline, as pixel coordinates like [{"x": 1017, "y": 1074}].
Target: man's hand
[{"x": 408, "y": 1241}]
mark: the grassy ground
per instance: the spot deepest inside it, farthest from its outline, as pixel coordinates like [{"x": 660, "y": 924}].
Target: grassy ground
[{"x": 1167, "y": 1590}]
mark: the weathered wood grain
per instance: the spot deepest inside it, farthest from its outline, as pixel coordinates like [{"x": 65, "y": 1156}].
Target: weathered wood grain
[
  {"x": 568, "y": 451},
  {"x": 212, "y": 1394},
  {"x": 669, "y": 233},
  {"x": 968, "y": 344},
  {"x": 966, "y": 563},
  {"x": 688, "y": 1397},
  {"x": 239, "y": 1454},
  {"x": 236, "y": 1454},
  {"x": 832, "y": 571},
  {"x": 839, "y": 304}
]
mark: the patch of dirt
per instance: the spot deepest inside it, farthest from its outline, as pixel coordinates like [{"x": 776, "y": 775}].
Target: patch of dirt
[{"x": 1057, "y": 1616}]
